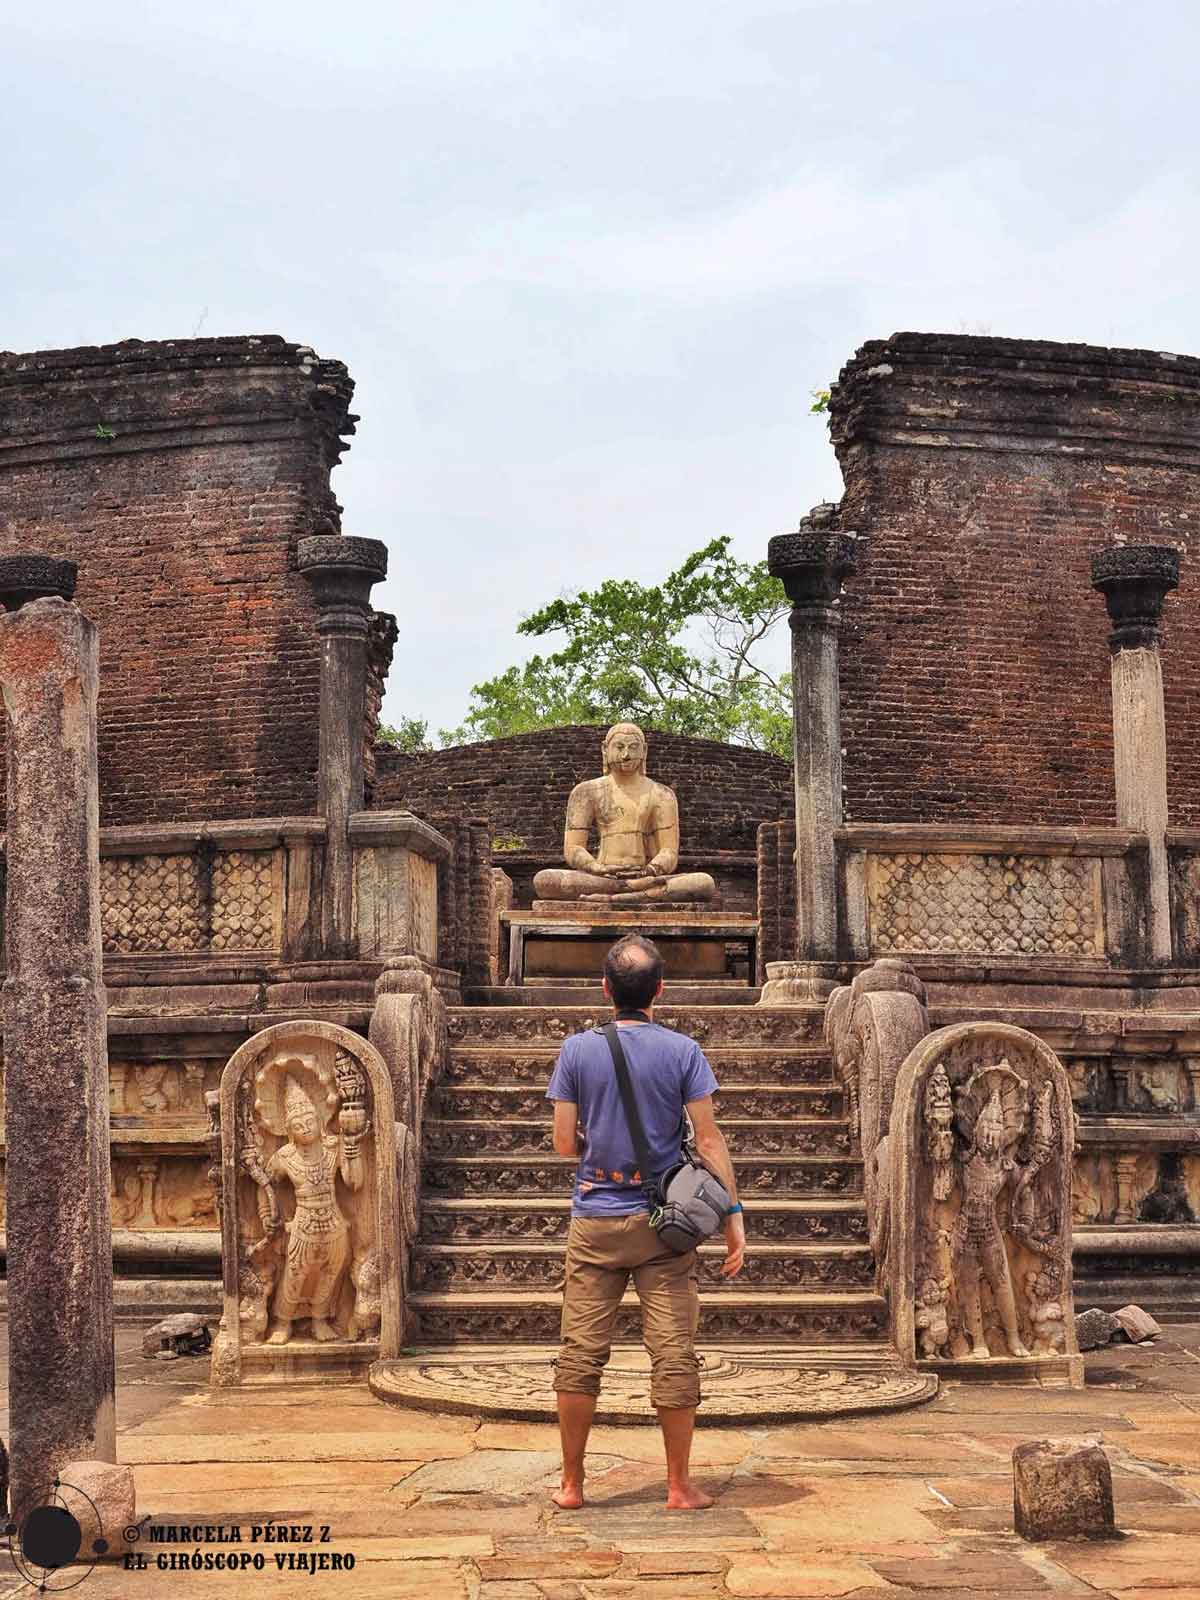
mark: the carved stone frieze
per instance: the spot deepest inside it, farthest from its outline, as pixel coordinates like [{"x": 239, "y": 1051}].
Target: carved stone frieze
[
  {"x": 511, "y": 1103},
  {"x": 992, "y": 905},
  {"x": 488, "y": 1223},
  {"x": 161, "y": 1091},
  {"x": 1112, "y": 1186},
  {"x": 768, "y": 1323},
  {"x": 1153, "y": 1086},
  {"x": 493, "y": 1065},
  {"x": 779, "y": 1177},
  {"x": 980, "y": 1263},
  {"x": 309, "y": 1210},
  {"x": 713, "y": 1025},
  {"x": 154, "y": 1191},
  {"x": 460, "y": 1138},
  {"x": 442, "y": 1272}
]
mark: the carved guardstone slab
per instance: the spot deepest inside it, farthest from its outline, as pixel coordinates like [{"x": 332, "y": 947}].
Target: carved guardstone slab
[
  {"x": 979, "y": 1268},
  {"x": 310, "y": 1227}
]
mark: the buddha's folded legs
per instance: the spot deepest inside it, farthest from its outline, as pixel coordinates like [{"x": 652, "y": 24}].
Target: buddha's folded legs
[
  {"x": 561, "y": 883},
  {"x": 565, "y": 883},
  {"x": 682, "y": 886}
]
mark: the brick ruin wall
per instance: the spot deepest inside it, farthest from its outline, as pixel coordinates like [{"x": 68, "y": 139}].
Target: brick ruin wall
[
  {"x": 981, "y": 475},
  {"x": 520, "y": 785},
  {"x": 181, "y": 476}
]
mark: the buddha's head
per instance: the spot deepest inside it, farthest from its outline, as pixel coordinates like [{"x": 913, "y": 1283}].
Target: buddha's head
[{"x": 624, "y": 748}]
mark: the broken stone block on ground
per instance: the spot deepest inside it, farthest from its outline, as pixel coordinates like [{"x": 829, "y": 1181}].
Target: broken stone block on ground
[
  {"x": 1062, "y": 1489},
  {"x": 185, "y": 1334},
  {"x": 100, "y": 1496},
  {"x": 1136, "y": 1324},
  {"x": 1095, "y": 1328}
]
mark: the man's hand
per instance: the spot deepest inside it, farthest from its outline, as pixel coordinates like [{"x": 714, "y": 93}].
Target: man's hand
[{"x": 735, "y": 1245}]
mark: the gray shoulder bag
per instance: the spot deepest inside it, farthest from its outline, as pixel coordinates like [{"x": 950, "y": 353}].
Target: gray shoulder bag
[{"x": 687, "y": 1204}]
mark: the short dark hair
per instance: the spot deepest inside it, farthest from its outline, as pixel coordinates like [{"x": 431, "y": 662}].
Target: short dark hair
[{"x": 634, "y": 969}]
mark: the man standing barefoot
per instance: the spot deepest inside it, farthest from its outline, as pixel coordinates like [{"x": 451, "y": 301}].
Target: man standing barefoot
[{"x": 611, "y": 1237}]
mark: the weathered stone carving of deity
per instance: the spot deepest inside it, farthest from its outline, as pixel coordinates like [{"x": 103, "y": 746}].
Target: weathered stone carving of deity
[
  {"x": 637, "y": 821},
  {"x": 977, "y": 1243},
  {"x": 317, "y": 1261},
  {"x": 979, "y": 1268},
  {"x": 310, "y": 1220}
]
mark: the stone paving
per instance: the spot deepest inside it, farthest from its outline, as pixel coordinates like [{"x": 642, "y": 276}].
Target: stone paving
[{"x": 918, "y": 1503}]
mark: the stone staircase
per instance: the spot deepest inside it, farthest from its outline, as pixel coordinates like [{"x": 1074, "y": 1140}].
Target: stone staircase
[{"x": 496, "y": 1205}]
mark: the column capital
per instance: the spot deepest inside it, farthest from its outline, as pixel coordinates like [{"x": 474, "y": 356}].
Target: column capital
[
  {"x": 342, "y": 571},
  {"x": 813, "y": 563},
  {"x": 1135, "y": 580},
  {"x": 35, "y": 577}
]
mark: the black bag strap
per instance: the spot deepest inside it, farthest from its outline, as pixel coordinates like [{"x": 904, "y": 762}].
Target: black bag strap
[{"x": 633, "y": 1116}]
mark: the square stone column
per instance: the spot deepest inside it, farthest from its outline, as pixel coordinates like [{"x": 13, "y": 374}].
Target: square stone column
[
  {"x": 812, "y": 564},
  {"x": 342, "y": 572},
  {"x": 1135, "y": 580},
  {"x": 55, "y": 1048}
]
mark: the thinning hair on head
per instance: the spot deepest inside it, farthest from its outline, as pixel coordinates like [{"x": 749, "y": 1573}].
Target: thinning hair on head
[{"x": 634, "y": 969}]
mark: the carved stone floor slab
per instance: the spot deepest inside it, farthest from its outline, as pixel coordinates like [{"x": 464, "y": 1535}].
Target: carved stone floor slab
[{"x": 739, "y": 1385}]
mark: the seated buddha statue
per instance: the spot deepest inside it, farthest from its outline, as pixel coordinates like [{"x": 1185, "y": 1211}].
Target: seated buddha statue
[{"x": 637, "y": 821}]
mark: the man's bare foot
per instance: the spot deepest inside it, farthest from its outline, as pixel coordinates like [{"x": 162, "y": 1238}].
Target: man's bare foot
[
  {"x": 686, "y": 1497},
  {"x": 569, "y": 1497}
]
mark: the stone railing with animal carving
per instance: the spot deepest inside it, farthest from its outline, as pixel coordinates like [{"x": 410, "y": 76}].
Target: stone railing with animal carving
[
  {"x": 967, "y": 1138},
  {"x": 870, "y": 1027}
]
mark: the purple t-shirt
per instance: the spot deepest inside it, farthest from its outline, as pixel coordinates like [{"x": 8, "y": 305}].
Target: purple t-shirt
[{"x": 667, "y": 1070}]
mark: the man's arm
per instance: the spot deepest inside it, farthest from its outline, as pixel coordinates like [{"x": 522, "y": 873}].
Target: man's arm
[
  {"x": 714, "y": 1152},
  {"x": 566, "y": 1128}
]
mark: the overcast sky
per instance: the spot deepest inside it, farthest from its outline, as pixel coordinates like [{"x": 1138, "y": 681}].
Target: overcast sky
[{"x": 587, "y": 261}]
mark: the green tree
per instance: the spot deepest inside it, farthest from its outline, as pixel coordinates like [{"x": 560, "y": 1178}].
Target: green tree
[
  {"x": 410, "y": 738},
  {"x": 679, "y": 655}
]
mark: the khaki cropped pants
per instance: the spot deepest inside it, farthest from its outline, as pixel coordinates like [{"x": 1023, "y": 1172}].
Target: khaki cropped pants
[{"x": 601, "y": 1254}]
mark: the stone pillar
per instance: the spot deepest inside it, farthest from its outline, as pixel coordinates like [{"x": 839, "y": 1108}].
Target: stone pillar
[
  {"x": 55, "y": 1046},
  {"x": 341, "y": 571},
  {"x": 1134, "y": 580},
  {"x": 812, "y": 564}
]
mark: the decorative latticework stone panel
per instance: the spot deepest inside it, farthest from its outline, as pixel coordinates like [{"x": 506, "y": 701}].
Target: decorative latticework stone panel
[
  {"x": 182, "y": 903},
  {"x": 152, "y": 902},
  {"x": 994, "y": 905},
  {"x": 247, "y": 900}
]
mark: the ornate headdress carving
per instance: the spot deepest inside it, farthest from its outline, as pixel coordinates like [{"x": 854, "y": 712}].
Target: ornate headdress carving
[
  {"x": 295, "y": 1102},
  {"x": 989, "y": 1125}
]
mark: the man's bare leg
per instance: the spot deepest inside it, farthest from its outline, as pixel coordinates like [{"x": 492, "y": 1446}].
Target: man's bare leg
[
  {"x": 677, "y": 1425},
  {"x": 575, "y": 1413}
]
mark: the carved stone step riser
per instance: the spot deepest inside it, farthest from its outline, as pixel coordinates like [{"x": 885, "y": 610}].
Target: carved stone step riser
[
  {"x": 540, "y": 1324},
  {"x": 534, "y": 1139},
  {"x": 708, "y": 1025},
  {"x": 527, "y": 1179},
  {"x": 465, "y": 1275},
  {"x": 489, "y": 1227},
  {"x": 504, "y": 1067},
  {"x": 530, "y": 1104}
]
